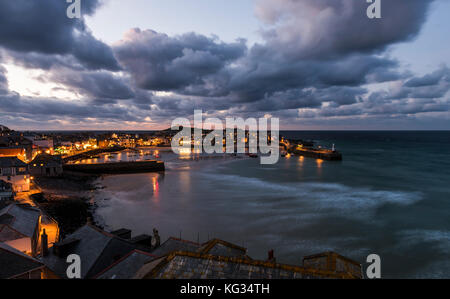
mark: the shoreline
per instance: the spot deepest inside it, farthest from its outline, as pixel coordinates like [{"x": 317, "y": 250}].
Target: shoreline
[{"x": 66, "y": 199}]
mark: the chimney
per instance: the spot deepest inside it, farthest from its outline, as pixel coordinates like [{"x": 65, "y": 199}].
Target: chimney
[
  {"x": 122, "y": 233},
  {"x": 143, "y": 240},
  {"x": 157, "y": 237},
  {"x": 271, "y": 256},
  {"x": 44, "y": 244}
]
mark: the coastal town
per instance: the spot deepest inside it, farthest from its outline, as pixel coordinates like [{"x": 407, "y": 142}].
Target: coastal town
[{"x": 39, "y": 230}]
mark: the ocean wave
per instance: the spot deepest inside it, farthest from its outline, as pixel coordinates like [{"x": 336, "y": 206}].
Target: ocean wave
[{"x": 312, "y": 198}]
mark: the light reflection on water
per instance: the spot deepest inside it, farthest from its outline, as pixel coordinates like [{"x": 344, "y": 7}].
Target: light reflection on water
[{"x": 368, "y": 203}]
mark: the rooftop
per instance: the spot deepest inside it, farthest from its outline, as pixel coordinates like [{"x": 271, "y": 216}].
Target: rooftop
[
  {"x": 47, "y": 159},
  {"x": 8, "y": 162},
  {"x": 14, "y": 263},
  {"x": 96, "y": 248},
  {"x": 18, "y": 221},
  {"x": 195, "y": 265},
  {"x": 126, "y": 267}
]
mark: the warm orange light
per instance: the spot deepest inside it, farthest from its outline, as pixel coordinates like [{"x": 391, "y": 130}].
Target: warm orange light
[{"x": 319, "y": 162}]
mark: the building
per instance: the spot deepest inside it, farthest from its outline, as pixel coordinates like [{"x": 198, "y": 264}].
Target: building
[
  {"x": 46, "y": 165},
  {"x": 116, "y": 255},
  {"x": 97, "y": 249},
  {"x": 6, "y": 191},
  {"x": 16, "y": 145},
  {"x": 4, "y": 131},
  {"x": 16, "y": 265},
  {"x": 20, "y": 227},
  {"x": 44, "y": 145},
  {"x": 174, "y": 244},
  {"x": 333, "y": 262},
  {"x": 126, "y": 267},
  {"x": 15, "y": 171},
  {"x": 218, "y": 259}
]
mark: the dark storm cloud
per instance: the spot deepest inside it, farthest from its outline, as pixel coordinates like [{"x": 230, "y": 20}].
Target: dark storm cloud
[
  {"x": 42, "y": 61},
  {"x": 265, "y": 76},
  {"x": 160, "y": 62},
  {"x": 331, "y": 28},
  {"x": 3, "y": 79},
  {"x": 43, "y": 27},
  {"x": 48, "y": 109},
  {"x": 434, "y": 78},
  {"x": 94, "y": 84}
]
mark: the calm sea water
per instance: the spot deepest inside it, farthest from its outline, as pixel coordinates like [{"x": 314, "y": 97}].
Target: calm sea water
[{"x": 390, "y": 196}]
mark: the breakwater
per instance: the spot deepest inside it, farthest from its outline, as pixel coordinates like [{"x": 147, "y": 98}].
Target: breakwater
[
  {"x": 117, "y": 168},
  {"x": 318, "y": 154}
]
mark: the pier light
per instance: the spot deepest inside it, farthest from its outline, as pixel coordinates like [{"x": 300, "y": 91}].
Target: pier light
[{"x": 319, "y": 162}]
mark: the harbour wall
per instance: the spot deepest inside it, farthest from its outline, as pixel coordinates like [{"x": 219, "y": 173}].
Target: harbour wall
[
  {"x": 117, "y": 168},
  {"x": 332, "y": 156}
]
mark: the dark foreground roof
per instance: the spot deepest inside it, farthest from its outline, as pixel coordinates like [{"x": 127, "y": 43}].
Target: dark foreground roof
[
  {"x": 96, "y": 248},
  {"x": 14, "y": 263},
  {"x": 194, "y": 265},
  {"x": 127, "y": 266},
  {"x": 175, "y": 244},
  {"x": 222, "y": 248},
  {"x": 18, "y": 221}
]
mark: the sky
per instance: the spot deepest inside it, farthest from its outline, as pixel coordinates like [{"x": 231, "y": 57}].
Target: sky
[{"x": 139, "y": 64}]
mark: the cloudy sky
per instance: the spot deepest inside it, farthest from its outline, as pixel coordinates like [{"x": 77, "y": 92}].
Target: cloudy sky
[{"x": 138, "y": 64}]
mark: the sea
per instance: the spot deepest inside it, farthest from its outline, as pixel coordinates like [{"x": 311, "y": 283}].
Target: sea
[{"x": 390, "y": 196}]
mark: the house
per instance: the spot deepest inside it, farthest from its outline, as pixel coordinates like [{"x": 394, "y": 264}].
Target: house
[
  {"x": 17, "y": 265},
  {"x": 20, "y": 227},
  {"x": 14, "y": 171},
  {"x": 97, "y": 249},
  {"x": 126, "y": 267},
  {"x": 6, "y": 191},
  {"x": 174, "y": 244},
  {"x": 331, "y": 261},
  {"x": 46, "y": 165},
  {"x": 16, "y": 145},
  {"x": 4, "y": 131},
  {"x": 218, "y": 259},
  {"x": 44, "y": 144}
]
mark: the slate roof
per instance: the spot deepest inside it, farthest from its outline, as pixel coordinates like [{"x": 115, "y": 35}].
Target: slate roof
[
  {"x": 14, "y": 263},
  {"x": 127, "y": 266},
  {"x": 175, "y": 244},
  {"x": 194, "y": 265},
  {"x": 222, "y": 248},
  {"x": 96, "y": 248},
  {"x": 18, "y": 221},
  {"x": 48, "y": 160},
  {"x": 9, "y": 162}
]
